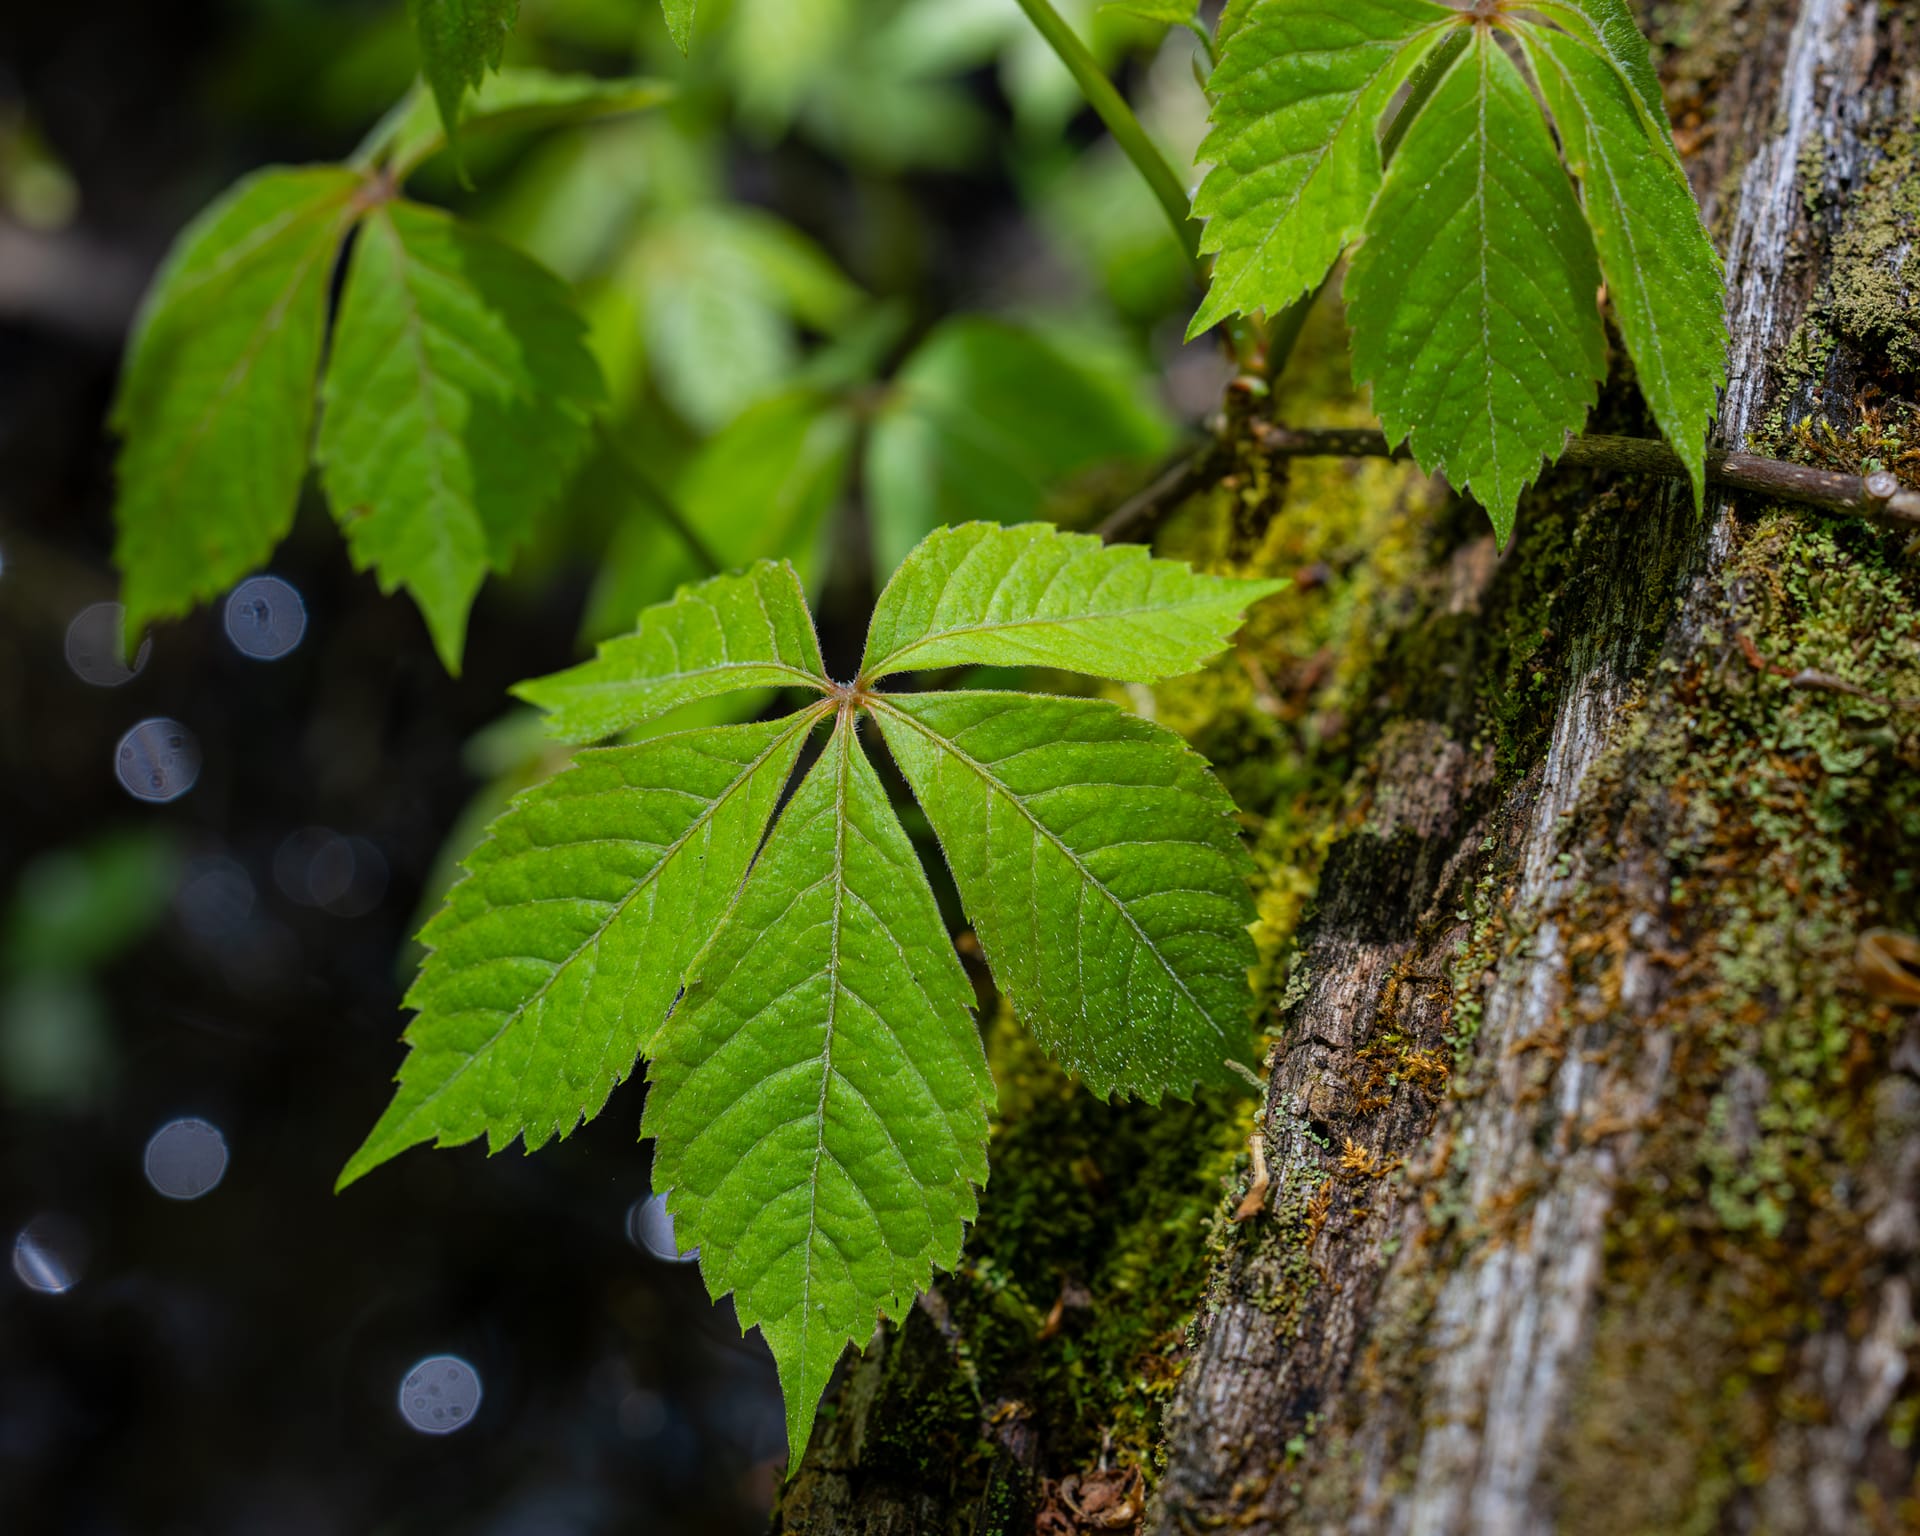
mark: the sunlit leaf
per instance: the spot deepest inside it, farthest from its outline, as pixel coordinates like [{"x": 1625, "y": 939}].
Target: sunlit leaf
[
  {"x": 458, "y": 395},
  {"x": 819, "y": 1102},
  {"x": 983, "y": 595},
  {"x": 1102, "y": 868},
  {"x": 722, "y": 635},
  {"x": 556, "y": 958},
  {"x": 818, "y": 1094},
  {"x": 216, "y": 404}
]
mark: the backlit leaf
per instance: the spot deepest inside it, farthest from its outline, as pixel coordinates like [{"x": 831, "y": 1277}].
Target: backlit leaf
[
  {"x": 1102, "y": 868},
  {"x": 458, "y": 395},
  {"x": 216, "y": 405},
  {"x": 556, "y": 958},
  {"x": 981, "y": 594},
  {"x": 1473, "y": 299},
  {"x": 819, "y": 1101},
  {"x": 1299, "y": 93}
]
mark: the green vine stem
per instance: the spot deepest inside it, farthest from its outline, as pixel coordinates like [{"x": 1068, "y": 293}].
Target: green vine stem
[{"x": 1119, "y": 118}]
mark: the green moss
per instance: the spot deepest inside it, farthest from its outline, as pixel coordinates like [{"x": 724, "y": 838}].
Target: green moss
[{"x": 1792, "y": 822}]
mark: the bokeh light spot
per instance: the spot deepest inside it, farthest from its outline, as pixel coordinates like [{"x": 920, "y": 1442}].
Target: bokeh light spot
[
  {"x": 93, "y": 647},
  {"x": 186, "y": 1159},
  {"x": 650, "y": 1229},
  {"x": 49, "y": 1254},
  {"x": 266, "y": 618},
  {"x": 157, "y": 761},
  {"x": 440, "y": 1395},
  {"x": 317, "y": 867}
]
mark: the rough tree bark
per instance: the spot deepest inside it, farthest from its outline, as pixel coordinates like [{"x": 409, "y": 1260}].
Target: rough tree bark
[{"x": 1594, "y": 1148}]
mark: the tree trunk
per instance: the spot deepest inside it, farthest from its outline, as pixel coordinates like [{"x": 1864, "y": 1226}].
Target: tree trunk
[{"x": 1593, "y": 1133}]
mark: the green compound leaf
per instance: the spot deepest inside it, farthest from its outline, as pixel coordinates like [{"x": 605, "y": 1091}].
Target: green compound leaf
[
  {"x": 987, "y": 421},
  {"x": 680, "y": 14},
  {"x": 1102, "y": 868},
  {"x": 1473, "y": 299},
  {"x": 715, "y": 637},
  {"x": 460, "y": 40},
  {"x": 986, "y": 595},
  {"x": 557, "y": 957},
  {"x": 216, "y": 406},
  {"x": 819, "y": 1102},
  {"x": 818, "y": 1093},
  {"x": 1299, "y": 93},
  {"x": 1662, "y": 273},
  {"x": 458, "y": 395}
]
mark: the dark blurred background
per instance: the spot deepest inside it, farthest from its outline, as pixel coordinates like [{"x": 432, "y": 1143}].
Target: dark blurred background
[{"x": 211, "y": 862}]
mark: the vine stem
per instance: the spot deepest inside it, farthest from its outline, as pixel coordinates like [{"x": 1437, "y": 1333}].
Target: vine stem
[
  {"x": 1112, "y": 109},
  {"x": 1879, "y": 496}
]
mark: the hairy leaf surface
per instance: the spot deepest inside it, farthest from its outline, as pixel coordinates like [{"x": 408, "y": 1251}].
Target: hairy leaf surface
[
  {"x": 732, "y": 632},
  {"x": 460, "y": 40},
  {"x": 1662, "y": 273},
  {"x": 982, "y": 594},
  {"x": 1473, "y": 298},
  {"x": 819, "y": 1102},
  {"x": 1102, "y": 868},
  {"x": 458, "y": 395},
  {"x": 1610, "y": 27},
  {"x": 216, "y": 405},
  {"x": 557, "y": 957},
  {"x": 1298, "y": 97}
]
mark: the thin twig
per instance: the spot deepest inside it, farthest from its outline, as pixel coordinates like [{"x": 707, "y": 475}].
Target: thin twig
[{"x": 1879, "y": 496}]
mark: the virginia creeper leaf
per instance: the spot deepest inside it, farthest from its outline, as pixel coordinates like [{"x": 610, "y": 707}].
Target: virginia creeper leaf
[
  {"x": 1299, "y": 92},
  {"x": 460, "y": 40},
  {"x": 216, "y": 405},
  {"x": 458, "y": 395},
  {"x": 1102, "y": 868},
  {"x": 732, "y": 632},
  {"x": 987, "y": 421},
  {"x": 818, "y": 1094},
  {"x": 557, "y": 957},
  {"x": 1662, "y": 273},
  {"x": 981, "y": 594},
  {"x": 680, "y": 15},
  {"x": 819, "y": 1101},
  {"x": 1473, "y": 298}
]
